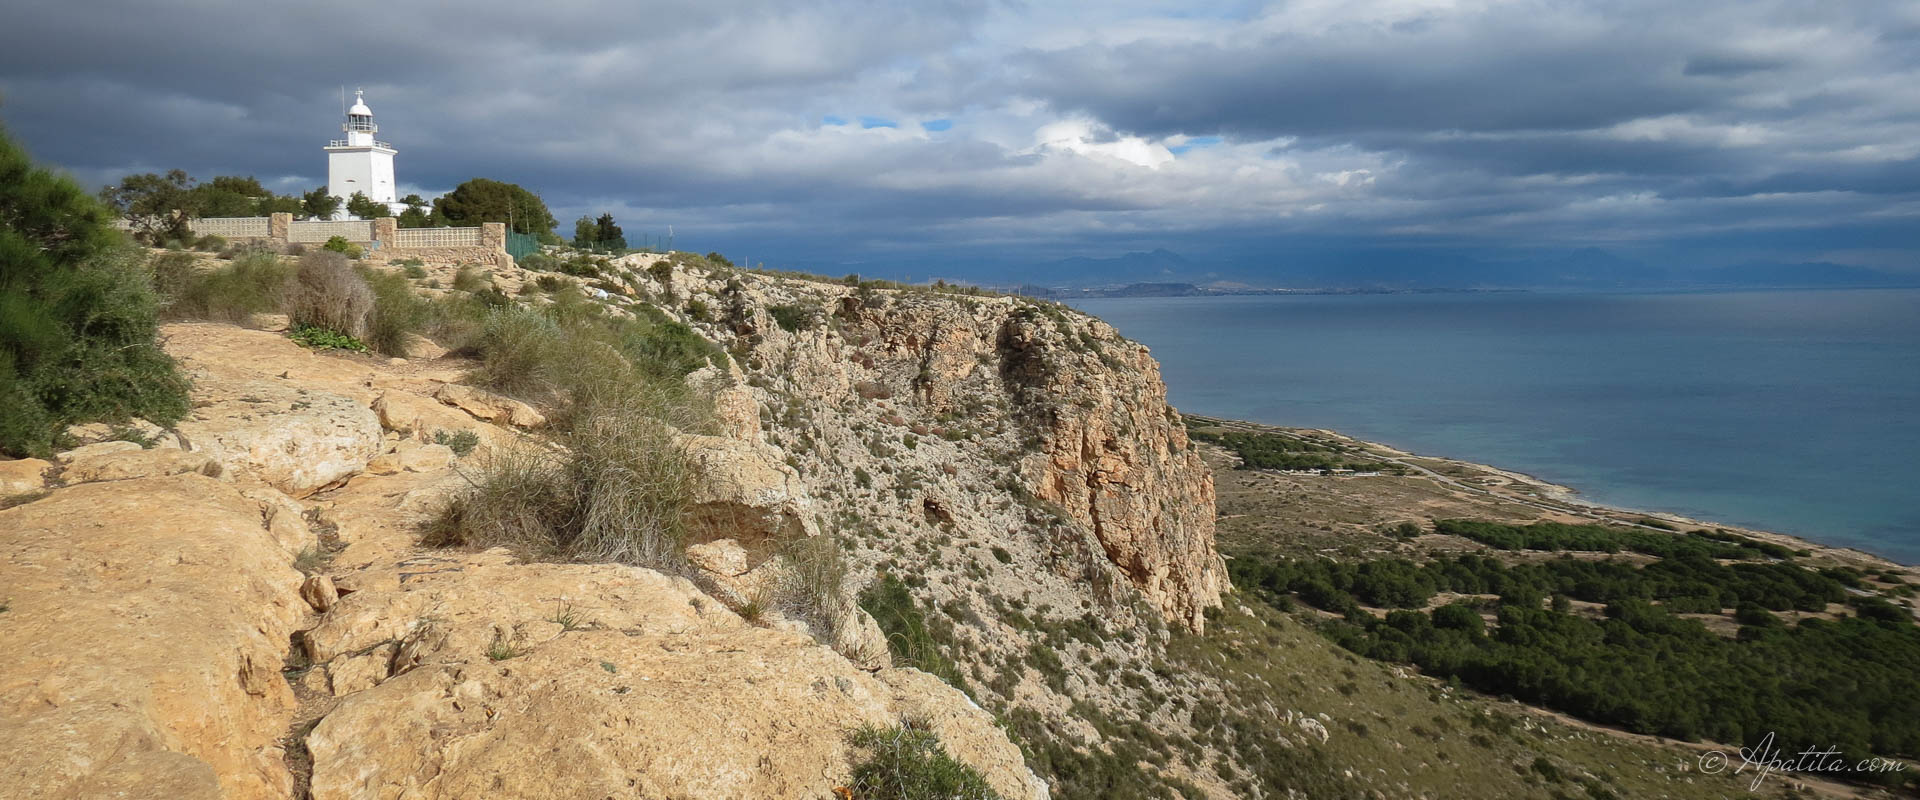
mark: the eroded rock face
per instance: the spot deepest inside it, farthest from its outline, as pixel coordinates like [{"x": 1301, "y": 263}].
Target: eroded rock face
[
  {"x": 950, "y": 404},
  {"x": 142, "y": 647},
  {"x": 1116, "y": 458}
]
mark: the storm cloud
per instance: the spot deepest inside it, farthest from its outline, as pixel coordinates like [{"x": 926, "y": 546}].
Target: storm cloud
[{"x": 850, "y": 133}]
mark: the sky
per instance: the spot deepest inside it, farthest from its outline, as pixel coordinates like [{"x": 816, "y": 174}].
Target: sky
[{"x": 922, "y": 139}]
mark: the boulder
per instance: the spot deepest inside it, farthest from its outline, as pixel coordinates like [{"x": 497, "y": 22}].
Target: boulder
[
  {"x": 745, "y": 491},
  {"x": 318, "y": 591},
  {"x": 142, "y": 648},
  {"x": 22, "y": 476},
  {"x": 294, "y": 439},
  {"x": 488, "y": 406},
  {"x": 422, "y": 347},
  {"x": 119, "y": 465}
]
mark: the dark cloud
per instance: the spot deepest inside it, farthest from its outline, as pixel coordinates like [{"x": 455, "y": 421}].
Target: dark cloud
[{"x": 1052, "y": 129}]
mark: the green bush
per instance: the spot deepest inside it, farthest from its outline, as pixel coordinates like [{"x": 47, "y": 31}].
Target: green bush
[
  {"x": 460, "y": 442},
  {"x": 907, "y": 762},
  {"x": 911, "y": 637},
  {"x": 210, "y": 243},
  {"x": 792, "y": 318},
  {"x": 255, "y": 283},
  {"x": 339, "y": 244},
  {"x": 397, "y": 311},
  {"x": 319, "y": 338},
  {"x": 77, "y": 315}
]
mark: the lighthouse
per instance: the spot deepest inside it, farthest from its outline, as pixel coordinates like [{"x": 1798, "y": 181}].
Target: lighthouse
[{"x": 360, "y": 163}]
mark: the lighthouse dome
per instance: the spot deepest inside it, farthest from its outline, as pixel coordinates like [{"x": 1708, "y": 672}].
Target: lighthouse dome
[{"x": 359, "y": 107}]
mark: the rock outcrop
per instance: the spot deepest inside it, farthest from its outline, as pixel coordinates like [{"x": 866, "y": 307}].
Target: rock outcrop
[
  {"x": 141, "y": 648},
  {"x": 475, "y": 676},
  {"x": 989, "y": 395}
]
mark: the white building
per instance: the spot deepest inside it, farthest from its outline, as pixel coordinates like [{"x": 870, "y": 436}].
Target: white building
[{"x": 361, "y": 163}]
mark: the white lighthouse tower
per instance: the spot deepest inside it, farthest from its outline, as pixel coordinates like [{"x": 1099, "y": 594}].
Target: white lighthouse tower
[{"x": 360, "y": 163}]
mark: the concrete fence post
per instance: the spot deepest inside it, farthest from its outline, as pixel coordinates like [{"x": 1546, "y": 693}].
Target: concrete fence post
[
  {"x": 493, "y": 235},
  {"x": 277, "y": 224},
  {"x": 383, "y": 231}
]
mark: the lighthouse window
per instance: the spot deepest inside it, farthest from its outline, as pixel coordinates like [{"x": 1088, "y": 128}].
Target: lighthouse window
[{"x": 359, "y": 122}]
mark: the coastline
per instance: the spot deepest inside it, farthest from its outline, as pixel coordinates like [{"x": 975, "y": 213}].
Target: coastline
[{"x": 1510, "y": 486}]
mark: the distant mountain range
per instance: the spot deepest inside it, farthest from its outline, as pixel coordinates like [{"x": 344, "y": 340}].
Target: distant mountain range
[{"x": 1166, "y": 273}]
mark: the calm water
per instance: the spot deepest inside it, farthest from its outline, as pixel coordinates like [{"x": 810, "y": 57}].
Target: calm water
[{"x": 1793, "y": 411}]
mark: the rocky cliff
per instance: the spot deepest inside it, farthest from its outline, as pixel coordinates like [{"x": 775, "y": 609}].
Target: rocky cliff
[
  {"x": 962, "y": 400},
  {"x": 241, "y": 606}
]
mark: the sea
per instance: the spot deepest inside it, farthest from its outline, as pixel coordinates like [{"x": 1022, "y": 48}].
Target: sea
[{"x": 1790, "y": 411}]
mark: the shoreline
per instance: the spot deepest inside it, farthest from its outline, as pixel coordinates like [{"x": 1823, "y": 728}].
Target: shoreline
[{"x": 1518, "y": 487}]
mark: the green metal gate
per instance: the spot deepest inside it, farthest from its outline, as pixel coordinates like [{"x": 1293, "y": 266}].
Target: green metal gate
[{"x": 521, "y": 245}]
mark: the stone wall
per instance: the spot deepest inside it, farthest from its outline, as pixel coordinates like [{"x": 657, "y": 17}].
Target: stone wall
[{"x": 485, "y": 245}]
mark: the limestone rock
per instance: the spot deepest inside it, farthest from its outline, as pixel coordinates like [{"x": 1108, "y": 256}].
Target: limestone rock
[
  {"x": 295, "y": 439},
  {"x": 96, "y": 449},
  {"x": 738, "y": 413},
  {"x": 285, "y": 519},
  {"x": 361, "y": 672},
  {"x": 424, "y": 457},
  {"x": 859, "y": 638},
  {"x": 90, "y": 432},
  {"x": 318, "y": 591},
  {"x": 488, "y": 406},
  {"x": 1312, "y": 727},
  {"x": 271, "y": 323},
  {"x": 142, "y": 650},
  {"x": 743, "y": 491},
  {"x": 20, "y": 476},
  {"x": 121, "y": 465},
  {"x": 422, "y": 347},
  {"x": 655, "y": 692},
  {"x": 720, "y": 557}
]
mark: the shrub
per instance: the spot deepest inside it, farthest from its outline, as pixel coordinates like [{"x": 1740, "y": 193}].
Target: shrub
[
  {"x": 397, "y": 311},
  {"x": 319, "y": 338},
  {"x": 77, "y": 315},
  {"x": 210, "y": 243},
  {"x": 911, "y": 639},
  {"x": 255, "y": 283},
  {"x": 460, "y": 442},
  {"x": 618, "y": 493},
  {"x": 813, "y": 589},
  {"x": 468, "y": 279},
  {"x": 339, "y": 244},
  {"x": 327, "y": 293},
  {"x": 413, "y": 271},
  {"x": 907, "y": 762},
  {"x": 537, "y": 262},
  {"x": 792, "y": 318}
]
